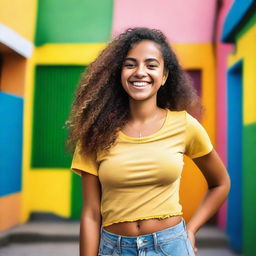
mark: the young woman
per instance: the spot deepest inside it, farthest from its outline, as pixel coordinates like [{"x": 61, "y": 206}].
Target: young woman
[{"x": 131, "y": 128}]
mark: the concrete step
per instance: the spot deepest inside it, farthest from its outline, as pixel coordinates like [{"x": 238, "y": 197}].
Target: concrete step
[
  {"x": 41, "y": 231},
  {"x": 211, "y": 236}
]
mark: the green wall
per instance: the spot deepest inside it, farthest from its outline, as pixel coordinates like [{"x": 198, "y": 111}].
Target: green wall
[
  {"x": 76, "y": 197},
  {"x": 54, "y": 90},
  {"x": 73, "y": 21},
  {"x": 249, "y": 197}
]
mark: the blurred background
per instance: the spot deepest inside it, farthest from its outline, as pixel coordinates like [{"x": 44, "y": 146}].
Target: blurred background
[{"x": 44, "y": 48}]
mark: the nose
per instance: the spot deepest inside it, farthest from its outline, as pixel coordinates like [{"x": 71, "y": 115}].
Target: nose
[{"x": 140, "y": 71}]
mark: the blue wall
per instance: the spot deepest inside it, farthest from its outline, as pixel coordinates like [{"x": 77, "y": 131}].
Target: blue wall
[
  {"x": 11, "y": 115},
  {"x": 235, "y": 125}
]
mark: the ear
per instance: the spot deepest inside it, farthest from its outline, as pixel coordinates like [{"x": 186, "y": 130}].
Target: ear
[{"x": 165, "y": 76}]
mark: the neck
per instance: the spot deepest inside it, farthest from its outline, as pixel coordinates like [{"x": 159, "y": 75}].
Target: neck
[{"x": 141, "y": 111}]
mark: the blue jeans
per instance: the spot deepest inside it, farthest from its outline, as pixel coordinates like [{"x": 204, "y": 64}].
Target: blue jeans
[{"x": 172, "y": 241}]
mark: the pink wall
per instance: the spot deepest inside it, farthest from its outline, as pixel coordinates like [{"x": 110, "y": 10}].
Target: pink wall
[
  {"x": 222, "y": 51},
  {"x": 182, "y": 21}
]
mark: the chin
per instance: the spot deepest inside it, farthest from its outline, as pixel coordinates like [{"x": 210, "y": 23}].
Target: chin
[{"x": 139, "y": 97}]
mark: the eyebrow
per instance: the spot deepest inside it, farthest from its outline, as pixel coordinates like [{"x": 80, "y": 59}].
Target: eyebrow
[{"x": 147, "y": 60}]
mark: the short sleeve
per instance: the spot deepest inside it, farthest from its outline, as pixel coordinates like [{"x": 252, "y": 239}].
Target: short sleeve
[
  {"x": 197, "y": 141},
  {"x": 83, "y": 163}
]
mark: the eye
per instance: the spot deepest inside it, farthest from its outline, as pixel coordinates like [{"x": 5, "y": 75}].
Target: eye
[
  {"x": 152, "y": 66},
  {"x": 129, "y": 65}
]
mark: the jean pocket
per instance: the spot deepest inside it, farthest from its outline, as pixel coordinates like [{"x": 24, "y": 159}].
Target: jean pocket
[
  {"x": 106, "y": 248},
  {"x": 175, "y": 247}
]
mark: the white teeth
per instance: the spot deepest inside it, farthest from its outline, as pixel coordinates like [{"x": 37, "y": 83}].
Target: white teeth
[{"x": 140, "y": 83}]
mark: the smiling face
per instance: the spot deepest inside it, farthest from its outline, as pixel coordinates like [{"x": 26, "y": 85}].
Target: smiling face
[{"x": 143, "y": 71}]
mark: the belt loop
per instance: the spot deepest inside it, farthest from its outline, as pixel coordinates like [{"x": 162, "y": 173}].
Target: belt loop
[
  {"x": 119, "y": 245},
  {"x": 155, "y": 242}
]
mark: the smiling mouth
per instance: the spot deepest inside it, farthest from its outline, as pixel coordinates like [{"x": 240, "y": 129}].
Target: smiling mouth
[{"x": 140, "y": 84}]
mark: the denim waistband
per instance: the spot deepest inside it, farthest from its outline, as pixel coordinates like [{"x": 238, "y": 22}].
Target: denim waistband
[{"x": 144, "y": 240}]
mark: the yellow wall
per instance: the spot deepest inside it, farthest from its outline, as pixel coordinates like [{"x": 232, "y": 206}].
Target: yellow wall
[{"x": 20, "y": 16}]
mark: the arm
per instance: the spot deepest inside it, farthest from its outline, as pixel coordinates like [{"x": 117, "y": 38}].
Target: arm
[
  {"x": 91, "y": 217},
  {"x": 218, "y": 182}
]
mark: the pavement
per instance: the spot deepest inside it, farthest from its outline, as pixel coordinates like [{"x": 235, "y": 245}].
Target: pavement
[{"x": 52, "y": 238}]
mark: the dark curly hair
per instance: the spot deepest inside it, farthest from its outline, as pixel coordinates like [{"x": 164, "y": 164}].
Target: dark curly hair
[{"x": 101, "y": 106}]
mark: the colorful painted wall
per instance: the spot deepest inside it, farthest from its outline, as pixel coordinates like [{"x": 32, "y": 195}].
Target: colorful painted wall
[
  {"x": 16, "y": 45},
  {"x": 58, "y": 61},
  {"x": 240, "y": 29},
  {"x": 43, "y": 57},
  {"x": 76, "y": 36}
]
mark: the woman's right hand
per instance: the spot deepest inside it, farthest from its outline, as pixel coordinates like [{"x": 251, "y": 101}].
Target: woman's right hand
[{"x": 192, "y": 238}]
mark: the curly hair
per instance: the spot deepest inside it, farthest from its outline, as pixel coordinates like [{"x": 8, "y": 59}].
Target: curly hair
[{"x": 101, "y": 106}]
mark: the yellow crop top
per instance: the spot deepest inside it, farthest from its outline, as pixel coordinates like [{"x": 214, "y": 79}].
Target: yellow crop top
[{"x": 140, "y": 177}]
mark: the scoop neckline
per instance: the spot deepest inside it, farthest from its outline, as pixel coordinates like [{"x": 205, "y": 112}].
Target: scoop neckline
[{"x": 137, "y": 139}]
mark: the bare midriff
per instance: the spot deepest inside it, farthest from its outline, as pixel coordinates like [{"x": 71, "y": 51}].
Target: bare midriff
[{"x": 143, "y": 227}]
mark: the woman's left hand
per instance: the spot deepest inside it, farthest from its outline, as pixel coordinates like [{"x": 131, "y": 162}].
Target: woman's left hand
[{"x": 191, "y": 236}]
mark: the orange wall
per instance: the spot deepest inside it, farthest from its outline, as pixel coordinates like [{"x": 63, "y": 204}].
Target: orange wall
[
  {"x": 10, "y": 210},
  {"x": 12, "y": 77}
]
